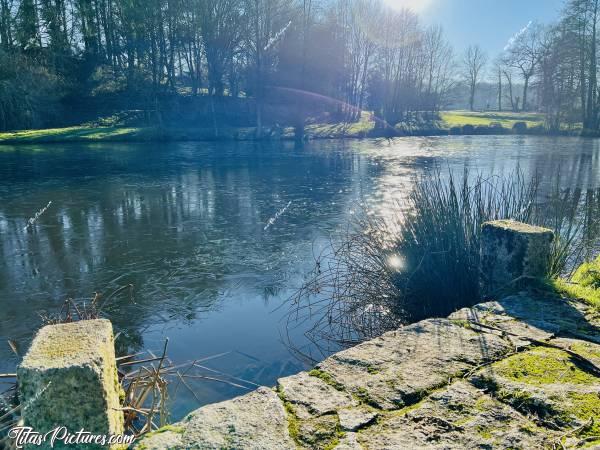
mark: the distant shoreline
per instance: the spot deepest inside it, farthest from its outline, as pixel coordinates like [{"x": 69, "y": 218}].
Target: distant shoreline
[{"x": 458, "y": 123}]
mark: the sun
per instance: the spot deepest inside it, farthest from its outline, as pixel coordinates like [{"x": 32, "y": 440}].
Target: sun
[{"x": 414, "y": 5}]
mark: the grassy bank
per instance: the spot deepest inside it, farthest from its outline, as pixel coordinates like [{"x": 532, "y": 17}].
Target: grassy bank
[
  {"x": 447, "y": 122},
  {"x": 122, "y": 134},
  {"x": 505, "y": 119},
  {"x": 584, "y": 284}
]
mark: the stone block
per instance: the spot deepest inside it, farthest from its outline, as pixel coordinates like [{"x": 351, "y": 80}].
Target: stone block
[
  {"x": 512, "y": 251},
  {"x": 69, "y": 378},
  {"x": 254, "y": 421}
]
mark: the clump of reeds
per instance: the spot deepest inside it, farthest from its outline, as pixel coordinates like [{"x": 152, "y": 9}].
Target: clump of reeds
[
  {"x": 424, "y": 262},
  {"x": 574, "y": 216},
  {"x": 72, "y": 310}
]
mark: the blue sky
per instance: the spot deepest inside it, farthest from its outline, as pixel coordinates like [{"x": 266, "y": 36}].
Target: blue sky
[{"x": 489, "y": 23}]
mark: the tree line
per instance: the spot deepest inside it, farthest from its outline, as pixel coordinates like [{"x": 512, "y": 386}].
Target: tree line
[
  {"x": 354, "y": 53},
  {"x": 550, "y": 68},
  {"x": 338, "y": 57}
]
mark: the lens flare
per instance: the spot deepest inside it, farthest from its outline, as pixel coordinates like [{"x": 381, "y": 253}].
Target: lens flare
[{"x": 396, "y": 262}]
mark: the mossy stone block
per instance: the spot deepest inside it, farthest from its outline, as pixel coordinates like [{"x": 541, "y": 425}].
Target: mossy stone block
[
  {"x": 69, "y": 378},
  {"x": 512, "y": 251}
]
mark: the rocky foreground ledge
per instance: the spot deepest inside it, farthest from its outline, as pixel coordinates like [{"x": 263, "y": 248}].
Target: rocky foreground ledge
[{"x": 521, "y": 372}]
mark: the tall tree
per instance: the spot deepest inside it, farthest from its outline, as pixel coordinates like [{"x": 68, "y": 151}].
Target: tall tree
[
  {"x": 523, "y": 54},
  {"x": 6, "y": 25},
  {"x": 221, "y": 22},
  {"x": 28, "y": 34},
  {"x": 474, "y": 61}
]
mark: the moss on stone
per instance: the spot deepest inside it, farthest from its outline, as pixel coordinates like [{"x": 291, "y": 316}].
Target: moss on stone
[
  {"x": 585, "y": 349},
  {"x": 529, "y": 428},
  {"x": 462, "y": 323},
  {"x": 548, "y": 383},
  {"x": 373, "y": 370},
  {"x": 484, "y": 432},
  {"x": 292, "y": 418},
  {"x": 364, "y": 397},
  {"x": 64, "y": 356},
  {"x": 327, "y": 378},
  {"x": 172, "y": 428},
  {"x": 408, "y": 409},
  {"x": 339, "y": 434},
  {"x": 483, "y": 403},
  {"x": 319, "y": 433},
  {"x": 584, "y": 406},
  {"x": 543, "y": 366}
]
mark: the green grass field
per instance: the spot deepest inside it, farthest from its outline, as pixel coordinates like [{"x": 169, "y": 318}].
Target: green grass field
[
  {"x": 72, "y": 134},
  {"x": 122, "y": 134},
  {"x": 506, "y": 119}
]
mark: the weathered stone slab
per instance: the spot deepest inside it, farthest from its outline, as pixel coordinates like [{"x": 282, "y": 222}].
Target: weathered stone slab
[
  {"x": 315, "y": 405},
  {"x": 318, "y": 433},
  {"x": 313, "y": 393},
  {"x": 349, "y": 442},
  {"x": 69, "y": 378},
  {"x": 541, "y": 318},
  {"x": 457, "y": 417},
  {"x": 253, "y": 421},
  {"x": 351, "y": 419},
  {"x": 400, "y": 367},
  {"x": 165, "y": 438},
  {"x": 511, "y": 250}
]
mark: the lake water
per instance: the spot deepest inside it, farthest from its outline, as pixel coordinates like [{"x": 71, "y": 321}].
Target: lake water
[{"x": 214, "y": 236}]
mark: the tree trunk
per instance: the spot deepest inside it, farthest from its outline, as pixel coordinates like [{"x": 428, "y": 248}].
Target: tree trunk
[
  {"x": 499, "y": 90},
  {"x": 258, "y": 94},
  {"x": 525, "y": 89},
  {"x": 591, "y": 97},
  {"x": 472, "y": 97}
]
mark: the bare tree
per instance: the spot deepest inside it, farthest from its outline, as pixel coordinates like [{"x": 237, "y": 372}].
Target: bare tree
[
  {"x": 523, "y": 54},
  {"x": 474, "y": 62},
  {"x": 498, "y": 73},
  {"x": 439, "y": 59}
]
